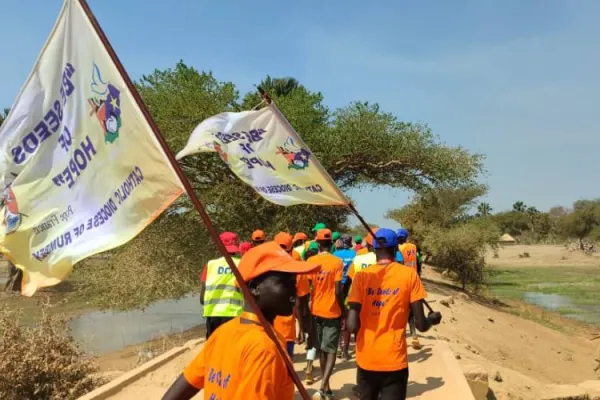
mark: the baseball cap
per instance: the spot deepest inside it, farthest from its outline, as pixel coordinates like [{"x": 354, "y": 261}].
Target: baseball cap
[
  {"x": 244, "y": 247},
  {"x": 258, "y": 235},
  {"x": 385, "y": 238},
  {"x": 318, "y": 226},
  {"x": 402, "y": 233},
  {"x": 323, "y": 234},
  {"x": 313, "y": 246},
  {"x": 369, "y": 238},
  {"x": 300, "y": 236},
  {"x": 358, "y": 239},
  {"x": 230, "y": 241},
  {"x": 269, "y": 257},
  {"x": 284, "y": 239},
  {"x": 335, "y": 236}
]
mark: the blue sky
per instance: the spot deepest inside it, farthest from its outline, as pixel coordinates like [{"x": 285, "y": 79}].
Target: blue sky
[{"x": 517, "y": 80}]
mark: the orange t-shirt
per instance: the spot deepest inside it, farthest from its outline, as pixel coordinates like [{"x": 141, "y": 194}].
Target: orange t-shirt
[
  {"x": 240, "y": 362},
  {"x": 286, "y": 326},
  {"x": 409, "y": 253},
  {"x": 385, "y": 294},
  {"x": 324, "y": 303},
  {"x": 296, "y": 256}
]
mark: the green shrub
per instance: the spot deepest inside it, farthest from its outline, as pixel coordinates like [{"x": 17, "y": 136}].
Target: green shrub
[{"x": 461, "y": 249}]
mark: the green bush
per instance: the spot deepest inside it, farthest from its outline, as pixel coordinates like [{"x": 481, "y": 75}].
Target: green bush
[
  {"x": 461, "y": 249},
  {"x": 42, "y": 362}
]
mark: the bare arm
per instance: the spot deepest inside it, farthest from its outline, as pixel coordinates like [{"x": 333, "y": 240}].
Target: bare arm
[
  {"x": 180, "y": 390},
  {"x": 339, "y": 296},
  {"x": 421, "y": 322},
  {"x": 202, "y": 290},
  {"x": 353, "y": 320}
]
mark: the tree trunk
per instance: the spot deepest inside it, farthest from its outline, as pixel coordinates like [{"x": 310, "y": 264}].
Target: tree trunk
[
  {"x": 581, "y": 246},
  {"x": 15, "y": 277}
]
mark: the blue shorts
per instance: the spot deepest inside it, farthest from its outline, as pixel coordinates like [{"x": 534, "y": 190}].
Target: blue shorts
[{"x": 290, "y": 349}]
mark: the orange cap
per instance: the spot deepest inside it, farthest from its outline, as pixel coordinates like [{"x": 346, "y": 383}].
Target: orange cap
[
  {"x": 285, "y": 240},
  {"x": 258, "y": 235},
  {"x": 369, "y": 238},
  {"x": 269, "y": 257},
  {"x": 300, "y": 236},
  {"x": 323, "y": 234}
]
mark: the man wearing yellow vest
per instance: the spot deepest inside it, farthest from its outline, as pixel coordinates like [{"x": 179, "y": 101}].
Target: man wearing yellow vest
[
  {"x": 409, "y": 253},
  {"x": 221, "y": 297}
]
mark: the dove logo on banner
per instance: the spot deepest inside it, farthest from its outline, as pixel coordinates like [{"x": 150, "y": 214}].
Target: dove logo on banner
[
  {"x": 82, "y": 170},
  {"x": 265, "y": 152}
]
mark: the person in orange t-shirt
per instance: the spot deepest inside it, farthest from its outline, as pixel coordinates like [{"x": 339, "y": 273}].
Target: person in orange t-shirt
[
  {"x": 286, "y": 325},
  {"x": 379, "y": 303},
  {"x": 240, "y": 361},
  {"x": 258, "y": 237},
  {"x": 327, "y": 308}
]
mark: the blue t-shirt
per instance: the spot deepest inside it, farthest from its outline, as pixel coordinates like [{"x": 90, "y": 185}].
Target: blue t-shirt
[
  {"x": 399, "y": 257},
  {"x": 347, "y": 256}
]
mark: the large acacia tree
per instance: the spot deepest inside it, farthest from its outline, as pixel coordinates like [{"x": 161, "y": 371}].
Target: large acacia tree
[{"x": 360, "y": 146}]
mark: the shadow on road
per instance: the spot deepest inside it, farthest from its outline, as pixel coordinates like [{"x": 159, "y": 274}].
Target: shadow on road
[{"x": 417, "y": 389}]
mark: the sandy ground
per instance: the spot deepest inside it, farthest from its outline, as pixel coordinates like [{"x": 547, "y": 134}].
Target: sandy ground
[
  {"x": 540, "y": 256},
  {"x": 430, "y": 377},
  {"x": 525, "y": 355}
]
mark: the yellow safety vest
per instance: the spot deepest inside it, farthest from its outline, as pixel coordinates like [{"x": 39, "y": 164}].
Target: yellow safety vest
[
  {"x": 361, "y": 262},
  {"x": 222, "y": 297},
  {"x": 300, "y": 250}
]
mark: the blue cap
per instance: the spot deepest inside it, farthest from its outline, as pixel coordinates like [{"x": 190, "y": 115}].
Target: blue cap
[
  {"x": 402, "y": 233},
  {"x": 387, "y": 236}
]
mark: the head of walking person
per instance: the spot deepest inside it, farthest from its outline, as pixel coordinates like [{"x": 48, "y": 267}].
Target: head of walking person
[
  {"x": 402, "y": 235},
  {"x": 335, "y": 237},
  {"x": 231, "y": 242},
  {"x": 324, "y": 239},
  {"x": 345, "y": 242},
  {"x": 285, "y": 240},
  {"x": 244, "y": 247},
  {"x": 312, "y": 250},
  {"x": 358, "y": 240},
  {"x": 385, "y": 244},
  {"x": 270, "y": 273},
  {"x": 318, "y": 226},
  {"x": 299, "y": 239},
  {"x": 258, "y": 237}
]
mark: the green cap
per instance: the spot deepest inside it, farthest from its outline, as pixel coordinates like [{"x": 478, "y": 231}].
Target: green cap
[
  {"x": 358, "y": 239},
  {"x": 335, "y": 236},
  {"x": 319, "y": 226},
  {"x": 313, "y": 246}
]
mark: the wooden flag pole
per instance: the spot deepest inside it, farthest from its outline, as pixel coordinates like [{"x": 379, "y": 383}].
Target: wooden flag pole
[{"x": 212, "y": 230}]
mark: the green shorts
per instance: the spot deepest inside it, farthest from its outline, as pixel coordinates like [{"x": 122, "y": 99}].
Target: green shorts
[{"x": 328, "y": 333}]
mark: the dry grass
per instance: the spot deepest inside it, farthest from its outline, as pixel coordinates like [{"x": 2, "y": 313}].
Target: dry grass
[{"x": 42, "y": 362}]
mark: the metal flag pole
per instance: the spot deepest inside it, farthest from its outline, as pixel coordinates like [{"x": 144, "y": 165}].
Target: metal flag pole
[{"x": 212, "y": 230}]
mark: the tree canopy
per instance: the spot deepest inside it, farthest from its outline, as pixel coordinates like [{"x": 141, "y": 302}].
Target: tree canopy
[{"x": 360, "y": 145}]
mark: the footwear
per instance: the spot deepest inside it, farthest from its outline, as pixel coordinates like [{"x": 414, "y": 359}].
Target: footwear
[
  {"x": 309, "y": 375},
  {"x": 329, "y": 395},
  {"x": 416, "y": 344},
  {"x": 346, "y": 357}
]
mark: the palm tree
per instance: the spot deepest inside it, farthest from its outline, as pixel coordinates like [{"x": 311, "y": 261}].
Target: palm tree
[
  {"x": 519, "y": 206},
  {"x": 484, "y": 209},
  {"x": 277, "y": 87}
]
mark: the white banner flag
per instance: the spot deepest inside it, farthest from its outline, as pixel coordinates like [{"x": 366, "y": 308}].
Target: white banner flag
[
  {"x": 265, "y": 152},
  {"x": 82, "y": 170}
]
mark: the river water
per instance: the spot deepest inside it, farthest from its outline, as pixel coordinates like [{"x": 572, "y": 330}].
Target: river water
[{"x": 104, "y": 332}]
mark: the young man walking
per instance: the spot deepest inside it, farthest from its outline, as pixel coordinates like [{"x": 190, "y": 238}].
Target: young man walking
[
  {"x": 347, "y": 254},
  {"x": 219, "y": 294},
  {"x": 379, "y": 304},
  {"x": 240, "y": 361},
  {"x": 411, "y": 259},
  {"x": 327, "y": 307}
]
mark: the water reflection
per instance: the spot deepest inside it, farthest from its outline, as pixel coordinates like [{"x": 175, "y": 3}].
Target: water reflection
[{"x": 103, "y": 332}]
